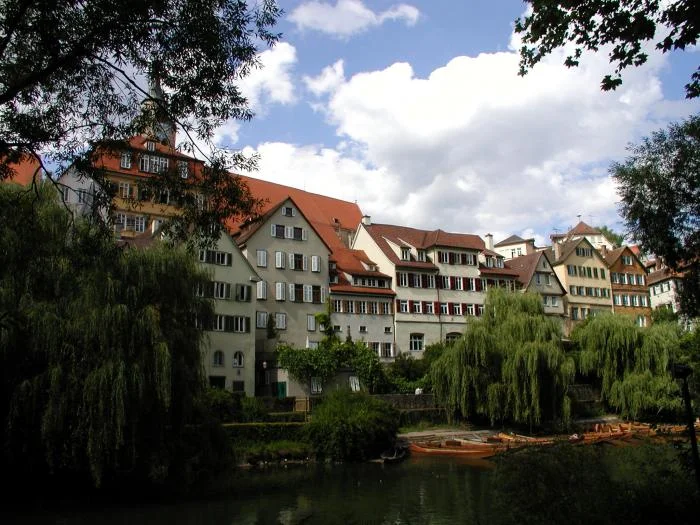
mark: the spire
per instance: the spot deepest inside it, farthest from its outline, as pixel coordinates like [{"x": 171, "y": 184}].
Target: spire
[{"x": 162, "y": 128}]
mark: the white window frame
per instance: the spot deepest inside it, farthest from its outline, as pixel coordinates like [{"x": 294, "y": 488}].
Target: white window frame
[
  {"x": 261, "y": 319},
  {"x": 315, "y": 263},
  {"x": 416, "y": 342},
  {"x": 311, "y": 322},
  {"x": 280, "y": 320},
  {"x": 261, "y": 256},
  {"x": 279, "y": 260},
  {"x": 280, "y": 291}
]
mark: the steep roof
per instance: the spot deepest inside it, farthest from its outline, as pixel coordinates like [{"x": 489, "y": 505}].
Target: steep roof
[
  {"x": 326, "y": 214},
  {"x": 662, "y": 275},
  {"x": 525, "y": 266},
  {"x": 350, "y": 261},
  {"x": 567, "y": 248},
  {"x": 613, "y": 255},
  {"x": 513, "y": 239},
  {"x": 583, "y": 229},
  {"x": 25, "y": 170},
  {"x": 420, "y": 239}
]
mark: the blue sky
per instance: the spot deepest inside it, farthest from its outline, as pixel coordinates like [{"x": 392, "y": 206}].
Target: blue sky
[{"x": 415, "y": 110}]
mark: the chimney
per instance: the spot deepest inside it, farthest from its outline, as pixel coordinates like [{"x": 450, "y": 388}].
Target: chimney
[
  {"x": 489, "y": 241},
  {"x": 557, "y": 250},
  {"x": 367, "y": 220}
]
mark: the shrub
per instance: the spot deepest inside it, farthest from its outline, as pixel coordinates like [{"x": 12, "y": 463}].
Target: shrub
[
  {"x": 264, "y": 432},
  {"x": 222, "y": 404},
  {"x": 352, "y": 426}
]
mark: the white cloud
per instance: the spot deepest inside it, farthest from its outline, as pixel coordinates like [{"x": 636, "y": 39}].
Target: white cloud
[
  {"x": 327, "y": 81},
  {"x": 272, "y": 82},
  {"x": 348, "y": 17},
  {"x": 476, "y": 148}
]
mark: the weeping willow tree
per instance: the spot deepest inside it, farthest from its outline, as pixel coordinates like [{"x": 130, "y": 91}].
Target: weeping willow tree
[
  {"x": 631, "y": 363},
  {"x": 101, "y": 366},
  {"x": 508, "y": 365}
]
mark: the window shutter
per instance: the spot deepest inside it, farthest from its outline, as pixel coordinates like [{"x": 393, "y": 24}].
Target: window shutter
[
  {"x": 305, "y": 263},
  {"x": 452, "y": 257},
  {"x": 477, "y": 285},
  {"x": 424, "y": 281},
  {"x": 453, "y": 286},
  {"x": 291, "y": 292},
  {"x": 315, "y": 263},
  {"x": 323, "y": 294},
  {"x": 398, "y": 305},
  {"x": 304, "y": 234},
  {"x": 439, "y": 253},
  {"x": 436, "y": 307},
  {"x": 273, "y": 229},
  {"x": 290, "y": 257},
  {"x": 424, "y": 307},
  {"x": 450, "y": 309},
  {"x": 464, "y": 308},
  {"x": 227, "y": 290},
  {"x": 288, "y": 232},
  {"x": 410, "y": 306},
  {"x": 228, "y": 323},
  {"x": 463, "y": 258},
  {"x": 438, "y": 282}
]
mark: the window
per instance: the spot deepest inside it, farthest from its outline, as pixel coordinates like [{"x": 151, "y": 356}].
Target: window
[
  {"x": 457, "y": 309},
  {"x": 458, "y": 283},
  {"x": 354, "y": 383},
  {"x": 415, "y": 343},
  {"x": 243, "y": 292},
  {"x": 547, "y": 279},
  {"x": 617, "y": 300},
  {"x": 288, "y": 211},
  {"x": 581, "y": 290},
  {"x": 470, "y": 309},
  {"x": 126, "y": 191},
  {"x": 219, "y": 323},
  {"x": 640, "y": 279},
  {"x": 277, "y": 230},
  {"x": 627, "y": 260},
  {"x": 311, "y": 323},
  {"x": 641, "y": 321},
  {"x": 387, "y": 329},
  {"x": 316, "y": 387},
  {"x": 262, "y": 258},
  {"x": 574, "y": 313},
  {"x": 280, "y": 291},
  {"x": 139, "y": 224},
  {"x": 279, "y": 259},
  {"x": 444, "y": 309},
  {"x": 429, "y": 308},
  {"x": 402, "y": 278},
  {"x": 363, "y": 329},
  {"x": 260, "y": 319},
  {"x": 452, "y": 337},
  {"x": 337, "y": 306},
  {"x": 444, "y": 257},
  {"x": 416, "y": 307},
  {"x": 350, "y": 307},
  {"x": 261, "y": 290},
  {"x": 218, "y": 358},
  {"x": 584, "y": 252},
  {"x": 315, "y": 263},
  {"x": 405, "y": 254},
  {"x": 150, "y": 145},
  {"x": 421, "y": 256},
  {"x": 431, "y": 281},
  {"x": 281, "y": 321},
  {"x": 373, "y": 308},
  {"x": 572, "y": 290},
  {"x": 237, "y": 359},
  {"x": 183, "y": 169},
  {"x": 602, "y": 273},
  {"x": 221, "y": 290},
  {"x": 337, "y": 328},
  {"x": 125, "y": 160},
  {"x": 571, "y": 270},
  {"x": 386, "y": 308},
  {"x": 403, "y": 306},
  {"x": 363, "y": 307},
  {"x": 538, "y": 278},
  {"x": 416, "y": 280},
  {"x": 386, "y": 350},
  {"x": 445, "y": 282},
  {"x": 153, "y": 164}
]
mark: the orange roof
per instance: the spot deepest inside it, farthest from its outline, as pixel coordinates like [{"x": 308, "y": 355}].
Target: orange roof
[
  {"x": 350, "y": 261},
  {"x": 325, "y": 214},
  {"x": 583, "y": 229},
  {"x": 360, "y": 290},
  {"x": 402, "y": 235},
  {"x": 525, "y": 266},
  {"x": 25, "y": 170}
]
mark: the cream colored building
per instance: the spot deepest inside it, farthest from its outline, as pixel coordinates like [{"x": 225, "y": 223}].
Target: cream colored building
[
  {"x": 535, "y": 274},
  {"x": 514, "y": 246},
  {"x": 292, "y": 262},
  {"x": 229, "y": 344},
  {"x": 584, "y": 274}
]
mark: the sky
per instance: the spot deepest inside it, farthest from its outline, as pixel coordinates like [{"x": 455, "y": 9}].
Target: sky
[{"x": 416, "y": 112}]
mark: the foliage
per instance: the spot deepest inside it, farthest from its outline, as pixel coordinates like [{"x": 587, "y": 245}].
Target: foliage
[
  {"x": 616, "y": 238},
  {"x": 594, "y": 484},
  {"x": 352, "y": 426},
  {"x": 663, "y": 315},
  {"x": 632, "y": 364},
  {"x": 508, "y": 365},
  {"x": 242, "y": 433},
  {"x": 690, "y": 355},
  {"x": 73, "y": 73},
  {"x": 252, "y": 409},
  {"x": 591, "y": 24},
  {"x": 664, "y": 165},
  {"x": 222, "y": 404},
  {"x": 274, "y": 451},
  {"x": 324, "y": 361},
  {"x": 101, "y": 363}
]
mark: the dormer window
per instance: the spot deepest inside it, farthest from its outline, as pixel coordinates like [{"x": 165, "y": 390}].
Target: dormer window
[
  {"x": 150, "y": 145},
  {"x": 405, "y": 254},
  {"x": 421, "y": 256},
  {"x": 183, "y": 169},
  {"x": 125, "y": 160}
]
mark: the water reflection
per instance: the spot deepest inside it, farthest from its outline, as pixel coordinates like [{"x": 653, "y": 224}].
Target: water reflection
[{"x": 418, "y": 491}]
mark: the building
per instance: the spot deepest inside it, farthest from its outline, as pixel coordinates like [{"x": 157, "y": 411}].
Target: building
[
  {"x": 514, "y": 246},
  {"x": 584, "y": 231},
  {"x": 362, "y": 301},
  {"x": 535, "y": 274},
  {"x": 291, "y": 259},
  {"x": 583, "y": 272},
  {"x": 664, "y": 287},
  {"x": 229, "y": 345},
  {"x": 437, "y": 277},
  {"x": 628, "y": 283},
  {"x": 24, "y": 172}
]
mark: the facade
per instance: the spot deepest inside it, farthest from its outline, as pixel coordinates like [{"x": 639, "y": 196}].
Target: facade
[
  {"x": 436, "y": 277},
  {"x": 514, "y": 246},
  {"x": 535, "y": 274},
  {"x": 584, "y": 231},
  {"x": 583, "y": 272},
  {"x": 664, "y": 286},
  {"x": 629, "y": 286},
  {"x": 291, "y": 260},
  {"x": 229, "y": 358},
  {"x": 362, "y": 301}
]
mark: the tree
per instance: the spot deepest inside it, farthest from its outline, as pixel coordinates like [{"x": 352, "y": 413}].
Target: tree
[
  {"x": 616, "y": 238},
  {"x": 659, "y": 184},
  {"x": 631, "y": 363},
  {"x": 508, "y": 365},
  {"x": 100, "y": 364},
  {"x": 626, "y": 25},
  {"x": 73, "y": 76}
]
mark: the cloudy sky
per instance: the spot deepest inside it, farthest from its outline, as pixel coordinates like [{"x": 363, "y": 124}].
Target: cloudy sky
[{"x": 415, "y": 110}]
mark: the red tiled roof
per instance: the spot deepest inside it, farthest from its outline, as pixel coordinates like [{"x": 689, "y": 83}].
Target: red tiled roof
[
  {"x": 583, "y": 229},
  {"x": 110, "y": 159},
  {"x": 325, "y": 214},
  {"x": 525, "y": 266},
  {"x": 513, "y": 239},
  {"x": 363, "y": 290},
  {"x": 350, "y": 261},
  {"x": 422, "y": 239},
  {"x": 613, "y": 255},
  {"x": 25, "y": 171},
  {"x": 662, "y": 275},
  {"x": 485, "y": 270}
]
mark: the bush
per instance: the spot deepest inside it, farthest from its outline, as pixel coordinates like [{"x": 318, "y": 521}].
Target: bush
[
  {"x": 264, "y": 432},
  {"x": 252, "y": 409},
  {"x": 222, "y": 404},
  {"x": 352, "y": 426},
  {"x": 274, "y": 451}
]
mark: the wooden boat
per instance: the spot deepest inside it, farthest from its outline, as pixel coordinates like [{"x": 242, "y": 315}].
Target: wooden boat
[{"x": 475, "y": 450}]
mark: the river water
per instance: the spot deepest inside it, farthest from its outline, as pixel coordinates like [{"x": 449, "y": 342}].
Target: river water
[{"x": 417, "y": 491}]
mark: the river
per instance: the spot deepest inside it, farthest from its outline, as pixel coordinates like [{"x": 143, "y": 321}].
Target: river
[{"x": 417, "y": 491}]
